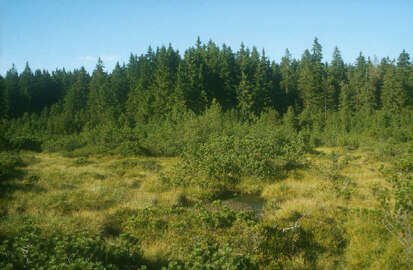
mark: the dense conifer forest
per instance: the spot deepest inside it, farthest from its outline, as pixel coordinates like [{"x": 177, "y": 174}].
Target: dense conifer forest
[
  {"x": 209, "y": 159},
  {"x": 165, "y": 86}
]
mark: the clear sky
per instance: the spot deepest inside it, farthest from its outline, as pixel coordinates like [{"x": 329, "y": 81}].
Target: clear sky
[{"x": 74, "y": 33}]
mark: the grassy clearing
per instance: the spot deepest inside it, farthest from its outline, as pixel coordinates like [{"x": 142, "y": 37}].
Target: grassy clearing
[{"x": 323, "y": 204}]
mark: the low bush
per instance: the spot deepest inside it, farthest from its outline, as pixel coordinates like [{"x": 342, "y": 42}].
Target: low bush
[
  {"x": 226, "y": 159},
  {"x": 63, "y": 144},
  {"x": 207, "y": 256},
  {"x": 8, "y": 162},
  {"x": 30, "y": 249},
  {"x": 398, "y": 204},
  {"x": 130, "y": 148},
  {"x": 26, "y": 143}
]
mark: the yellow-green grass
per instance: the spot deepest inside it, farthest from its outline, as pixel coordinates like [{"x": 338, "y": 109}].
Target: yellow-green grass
[
  {"x": 97, "y": 194},
  {"x": 60, "y": 194}
]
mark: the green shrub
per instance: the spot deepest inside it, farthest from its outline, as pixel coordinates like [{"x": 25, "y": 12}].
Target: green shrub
[
  {"x": 225, "y": 159},
  {"x": 26, "y": 143},
  {"x": 398, "y": 219},
  {"x": 30, "y": 249},
  {"x": 8, "y": 162},
  {"x": 130, "y": 148},
  {"x": 64, "y": 144},
  {"x": 205, "y": 256}
]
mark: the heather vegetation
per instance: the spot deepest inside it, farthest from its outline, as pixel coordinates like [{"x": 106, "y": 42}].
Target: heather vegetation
[{"x": 212, "y": 159}]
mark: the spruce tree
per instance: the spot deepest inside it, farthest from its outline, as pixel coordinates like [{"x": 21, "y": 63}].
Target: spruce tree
[
  {"x": 26, "y": 88},
  {"x": 2, "y": 101},
  {"x": 364, "y": 94},
  {"x": 162, "y": 90},
  {"x": 75, "y": 103},
  {"x": 288, "y": 83},
  {"x": 245, "y": 88},
  {"x": 96, "y": 99},
  {"x": 140, "y": 76},
  {"x": 395, "y": 94},
  {"x": 337, "y": 74},
  {"x": 261, "y": 82},
  {"x": 310, "y": 81},
  {"x": 191, "y": 80},
  {"x": 11, "y": 93},
  {"x": 119, "y": 86}
]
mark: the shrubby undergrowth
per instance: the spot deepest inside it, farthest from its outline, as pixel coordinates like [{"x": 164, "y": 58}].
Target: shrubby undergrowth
[
  {"x": 30, "y": 249},
  {"x": 239, "y": 124},
  {"x": 230, "y": 158},
  {"x": 8, "y": 163}
]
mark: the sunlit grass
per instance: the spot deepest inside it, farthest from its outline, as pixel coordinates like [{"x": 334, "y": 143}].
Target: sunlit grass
[{"x": 99, "y": 193}]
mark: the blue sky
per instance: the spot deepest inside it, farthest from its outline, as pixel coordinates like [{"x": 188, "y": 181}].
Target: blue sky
[{"x": 70, "y": 34}]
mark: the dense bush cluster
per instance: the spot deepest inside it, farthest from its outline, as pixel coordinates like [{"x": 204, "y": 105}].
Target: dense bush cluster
[
  {"x": 398, "y": 217},
  {"x": 30, "y": 249},
  {"x": 8, "y": 162},
  {"x": 231, "y": 157}
]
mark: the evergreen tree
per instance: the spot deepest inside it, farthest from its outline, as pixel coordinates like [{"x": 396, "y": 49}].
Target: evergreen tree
[
  {"x": 374, "y": 82},
  {"x": 11, "y": 93},
  {"x": 26, "y": 85},
  {"x": 288, "y": 83},
  {"x": 45, "y": 91},
  {"x": 140, "y": 76},
  {"x": 119, "y": 85},
  {"x": 290, "y": 120},
  {"x": 364, "y": 94},
  {"x": 404, "y": 73},
  {"x": 62, "y": 80},
  {"x": 262, "y": 84},
  {"x": 96, "y": 101},
  {"x": 245, "y": 86},
  {"x": 321, "y": 85},
  {"x": 395, "y": 93},
  {"x": 337, "y": 75},
  {"x": 410, "y": 87},
  {"x": 191, "y": 80},
  {"x": 244, "y": 95},
  {"x": 160, "y": 85},
  {"x": 310, "y": 80},
  {"x": 2, "y": 99},
  {"x": 75, "y": 103},
  {"x": 227, "y": 74},
  {"x": 165, "y": 98},
  {"x": 277, "y": 96}
]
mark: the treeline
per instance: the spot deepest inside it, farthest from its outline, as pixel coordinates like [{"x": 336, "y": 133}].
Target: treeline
[{"x": 162, "y": 84}]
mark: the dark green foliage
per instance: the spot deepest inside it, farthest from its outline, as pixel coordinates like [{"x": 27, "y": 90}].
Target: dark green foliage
[
  {"x": 161, "y": 103},
  {"x": 288, "y": 83},
  {"x": 31, "y": 249},
  {"x": 401, "y": 178},
  {"x": 130, "y": 148},
  {"x": 222, "y": 161},
  {"x": 398, "y": 204},
  {"x": 206, "y": 256},
  {"x": 25, "y": 143},
  {"x": 63, "y": 144},
  {"x": 8, "y": 163},
  {"x": 310, "y": 82}
]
